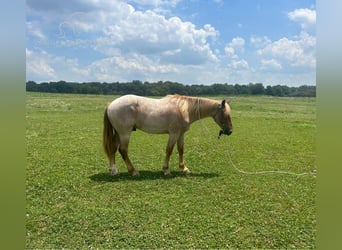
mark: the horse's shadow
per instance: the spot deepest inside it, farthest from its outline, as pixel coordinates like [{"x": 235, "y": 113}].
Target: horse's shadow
[{"x": 147, "y": 175}]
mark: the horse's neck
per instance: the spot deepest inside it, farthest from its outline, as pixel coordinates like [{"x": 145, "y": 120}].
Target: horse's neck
[{"x": 202, "y": 108}]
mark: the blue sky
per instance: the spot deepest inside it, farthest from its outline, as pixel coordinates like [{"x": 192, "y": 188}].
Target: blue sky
[{"x": 188, "y": 41}]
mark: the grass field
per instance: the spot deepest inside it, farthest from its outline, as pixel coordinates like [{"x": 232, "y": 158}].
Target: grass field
[{"x": 73, "y": 202}]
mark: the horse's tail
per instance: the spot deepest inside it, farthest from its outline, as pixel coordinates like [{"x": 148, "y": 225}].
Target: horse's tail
[{"x": 108, "y": 135}]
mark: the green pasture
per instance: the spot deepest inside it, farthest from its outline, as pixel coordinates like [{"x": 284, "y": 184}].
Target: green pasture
[{"x": 72, "y": 202}]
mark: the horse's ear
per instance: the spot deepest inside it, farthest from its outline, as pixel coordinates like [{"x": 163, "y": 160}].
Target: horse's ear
[{"x": 223, "y": 104}]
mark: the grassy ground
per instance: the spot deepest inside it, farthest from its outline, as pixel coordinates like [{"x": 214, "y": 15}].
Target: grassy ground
[{"x": 73, "y": 202}]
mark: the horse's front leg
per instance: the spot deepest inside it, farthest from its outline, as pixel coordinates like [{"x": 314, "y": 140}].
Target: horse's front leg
[
  {"x": 169, "y": 148},
  {"x": 180, "y": 146}
]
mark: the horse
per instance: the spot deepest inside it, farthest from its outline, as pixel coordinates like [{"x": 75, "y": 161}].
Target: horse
[{"x": 172, "y": 114}]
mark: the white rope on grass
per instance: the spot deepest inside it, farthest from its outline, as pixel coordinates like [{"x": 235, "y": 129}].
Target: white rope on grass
[
  {"x": 267, "y": 171},
  {"x": 203, "y": 127}
]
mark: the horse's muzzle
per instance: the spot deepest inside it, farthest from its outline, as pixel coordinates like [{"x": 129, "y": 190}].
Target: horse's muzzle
[
  {"x": 229, "y": 132},
  {"x": 226, "y": 131}
]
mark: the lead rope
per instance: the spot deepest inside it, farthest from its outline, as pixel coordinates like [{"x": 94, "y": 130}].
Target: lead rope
[{"x": 313, "y": 173}]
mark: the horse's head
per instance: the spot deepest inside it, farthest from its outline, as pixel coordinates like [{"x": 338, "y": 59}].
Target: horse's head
[{"x": 223, "y": 119}]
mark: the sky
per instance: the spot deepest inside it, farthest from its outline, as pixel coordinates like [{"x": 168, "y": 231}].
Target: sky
[{"x": 186, "y": 41}]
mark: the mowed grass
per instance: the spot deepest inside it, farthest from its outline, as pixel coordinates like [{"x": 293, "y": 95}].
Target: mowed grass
[{"x": 73, "y": 202}]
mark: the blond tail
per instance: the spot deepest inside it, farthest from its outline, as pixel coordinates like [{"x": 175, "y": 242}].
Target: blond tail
[{"x": 108, "y": 135}]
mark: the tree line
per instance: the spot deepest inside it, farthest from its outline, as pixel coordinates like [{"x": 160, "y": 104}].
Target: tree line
[{"x": 162, "y": 88}]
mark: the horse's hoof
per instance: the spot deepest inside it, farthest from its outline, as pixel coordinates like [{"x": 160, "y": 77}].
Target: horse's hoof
[
  {"x": 135, "y": 173},
  {"x": 186, "y": 171},
  {"x": 113, "y": 172},
  {"x": 167, "y": 174}
]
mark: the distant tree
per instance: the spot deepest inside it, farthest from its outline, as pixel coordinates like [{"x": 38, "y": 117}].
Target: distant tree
[
  {"x": 305, "y": 90},
  {"x": 241, "y": 89},
  {"x": 256, "y": 89},
  {"x": 280, "y": 90},
  {"x": 268, "y": 90},
  {"x": 31, "y": 86},
  {"x": 163, "y": 88}
]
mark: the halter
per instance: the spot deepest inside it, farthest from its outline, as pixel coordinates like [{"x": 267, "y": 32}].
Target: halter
[{"x": 223, "y": 128}]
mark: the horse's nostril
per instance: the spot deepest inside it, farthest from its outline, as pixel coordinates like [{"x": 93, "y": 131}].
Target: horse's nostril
[{"x": 229, "y": 132}]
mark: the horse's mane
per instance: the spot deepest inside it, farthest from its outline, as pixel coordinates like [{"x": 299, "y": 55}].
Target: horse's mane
[
  {"x": 191, "y": 104},
  {"x": 184, "y": 102},
  {"x": 181, "y": 98},
  {"x": 190, "y": 99}
]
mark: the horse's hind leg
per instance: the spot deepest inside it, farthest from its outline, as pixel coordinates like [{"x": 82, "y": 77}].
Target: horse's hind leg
[
  {"x": 112, "y": 167},
  {"x": 123, "y": 149}
]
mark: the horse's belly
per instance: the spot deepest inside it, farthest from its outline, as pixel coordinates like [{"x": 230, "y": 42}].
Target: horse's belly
[{"x": 154, "y": 128}]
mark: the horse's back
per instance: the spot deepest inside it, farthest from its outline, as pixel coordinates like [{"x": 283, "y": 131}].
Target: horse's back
[
  {"x": 129, "y": 103},
  {"x": 148, "y": 114}
]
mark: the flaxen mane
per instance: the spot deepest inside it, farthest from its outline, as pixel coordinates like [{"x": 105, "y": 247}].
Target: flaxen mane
[{"x": 185, "y": 103}]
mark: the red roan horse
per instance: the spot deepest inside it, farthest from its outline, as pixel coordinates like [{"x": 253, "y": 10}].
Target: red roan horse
[{"x": 172, "y": 114}]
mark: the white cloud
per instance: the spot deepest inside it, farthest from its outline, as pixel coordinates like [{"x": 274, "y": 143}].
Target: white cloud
[
  {"x": 289, "y": 53},
  {"x": 42, "y": 66},
  {"x": 131, "y": 42},
  {"x": 33, "y": 29},
  {"x": 122, "y": 28},
  {"x": 230, "y": 52},
  {"x": 38, "y": 66},
  {"x": 239, "y": 65},
  {"x": 234, "y": 47},
  {"x": 135, "y": 63},
  {"x": 306, "y": 17},
  {"x": 150, "y": 33},
  {"x": 260, "y": 42},
  {"x": 237, "y": 43},
  {"x": 122, "y": 40},
  {"x": 270, "y": 64},
  {"x": 299, "y": 51}
]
